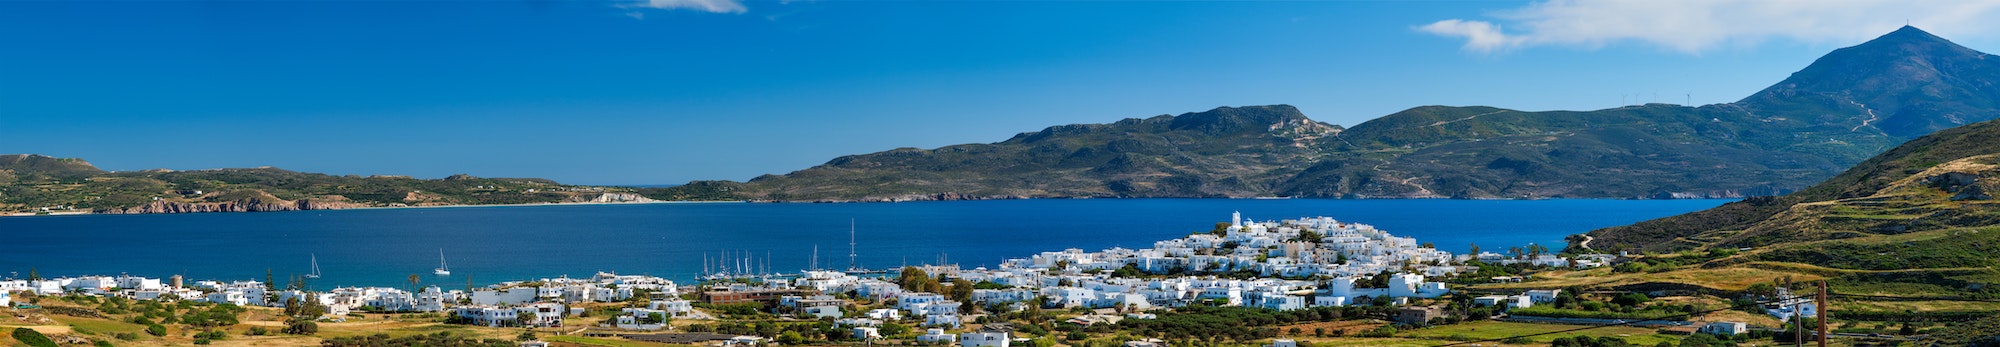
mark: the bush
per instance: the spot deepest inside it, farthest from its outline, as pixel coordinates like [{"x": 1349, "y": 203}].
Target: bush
[
  {"x": 32, "y": 338},
  {"x": 156, "y": 330},
  {"x": 212, "y": 335},
  {"x": 301, "y": 327},
  {"x": 1518, "y": 340}
]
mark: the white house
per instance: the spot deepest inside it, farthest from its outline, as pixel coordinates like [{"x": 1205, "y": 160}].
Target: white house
[
  {"x": 4, "y": 300},
  {"x": 1725, "y": 328},
  {"x": 14, "y": 286},
  {"x": 823, "y": 311},
  {"x": 641, "y": 319},
  {"x": 984, "y": 339},
  {"x": 487, "y": 316},
  {"x": 942, "y": 320},
  {"x": 546, "y": 314},
  {"x": 516, "y": 295},
  {"x": 675, "y": 307},
  {"x": 867, "y": 333},
  {"x": 432, "y": 299},
  {"x": 1543, "y": 296},
  {"x": 885, "y": 314},
  {"x": 1283, "y": 343},
  {"x": 935, "y": 335},
  {"x": 1505, "y": 301},
  {"x": 228, "y": 297}
]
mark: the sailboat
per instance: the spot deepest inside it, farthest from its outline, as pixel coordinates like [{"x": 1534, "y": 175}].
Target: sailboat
[
  {"x": 315, "y": 269},
  {"x": 442, "y": 270}
]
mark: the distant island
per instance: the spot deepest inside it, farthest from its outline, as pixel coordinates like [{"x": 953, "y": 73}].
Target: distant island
[
  {"x": 36, "y": 184},
  {"x": 1849, "y": 105}
]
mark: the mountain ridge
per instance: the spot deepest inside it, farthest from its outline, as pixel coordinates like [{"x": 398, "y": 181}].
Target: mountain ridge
[{"x": 1790, "y": 135}]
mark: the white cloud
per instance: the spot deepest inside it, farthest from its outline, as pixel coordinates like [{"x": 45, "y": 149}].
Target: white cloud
[
  {"x": 1694, "y": 26},
  {"x": 711, "y": 6}
]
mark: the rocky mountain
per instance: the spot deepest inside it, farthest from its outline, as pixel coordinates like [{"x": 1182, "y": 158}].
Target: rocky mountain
[
  {"x": 1907, "y": 83},
  {"x": 1219, "y": 153},
  {"x": 1845, "y": 107}
]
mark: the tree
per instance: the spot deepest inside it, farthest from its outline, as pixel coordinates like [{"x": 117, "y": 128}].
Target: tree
[
  {"x": 34, "y": 275},
  {"x": 893, "y": 329},
  {"x": 526, "y": 335},
  {"x": 413, "y": 282},
  {"x": 270, "y": 284},
  {"x": 292, "y": 306},
  {"x": 790, "y": 338},
  {"x": 1535, "y": 250},
  {"x": 913, "y": 279},
  {"x": 1221, "y": 229},
  {"x": 1309, "y": 236},
  {"x": 961, "y": 290},
  {"x": 1516, "y": 251},
  {"x": 526, "y": 319},
  {"x": 1474, "y": 251}
]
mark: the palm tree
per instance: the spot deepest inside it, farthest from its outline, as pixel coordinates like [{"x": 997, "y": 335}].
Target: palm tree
[{"x": 413, "y": 282}]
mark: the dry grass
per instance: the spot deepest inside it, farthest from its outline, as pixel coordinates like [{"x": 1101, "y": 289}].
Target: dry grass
[{"x": 1730, "y": 279}]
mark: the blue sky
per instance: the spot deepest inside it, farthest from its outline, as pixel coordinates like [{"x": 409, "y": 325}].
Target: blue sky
[{"x": 667, "y": 91}]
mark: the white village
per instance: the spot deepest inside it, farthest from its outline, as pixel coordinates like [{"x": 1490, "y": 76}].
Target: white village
[{"x": 1274, "y": 265}]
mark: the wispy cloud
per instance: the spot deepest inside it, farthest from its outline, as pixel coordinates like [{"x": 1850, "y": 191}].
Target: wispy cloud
[
  {"x": 1694, "y": 26},
  {"x": 711, "y": 6}
]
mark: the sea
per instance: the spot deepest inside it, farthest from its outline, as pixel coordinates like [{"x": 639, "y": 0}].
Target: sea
[{"x": 681, "y": 241}]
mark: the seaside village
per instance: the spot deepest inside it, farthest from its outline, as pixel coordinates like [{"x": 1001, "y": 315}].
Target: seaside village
[{"x": 1276, "y": 265}]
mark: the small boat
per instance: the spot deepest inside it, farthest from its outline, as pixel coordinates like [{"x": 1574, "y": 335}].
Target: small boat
[
  {"x": 442, "y": 270},
  {"x": 315, "y": 268}
]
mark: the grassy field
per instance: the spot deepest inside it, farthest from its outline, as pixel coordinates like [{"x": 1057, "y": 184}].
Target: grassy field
[
  {"x": 1484, "y": 330},
  {"x": 1729, "y": 279}
]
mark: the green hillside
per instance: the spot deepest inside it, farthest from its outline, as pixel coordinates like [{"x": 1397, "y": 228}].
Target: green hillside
[{"x": 33, "y": 183}]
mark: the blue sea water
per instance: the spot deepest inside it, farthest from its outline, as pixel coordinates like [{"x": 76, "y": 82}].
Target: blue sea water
[{"x": 491, "y": 244}]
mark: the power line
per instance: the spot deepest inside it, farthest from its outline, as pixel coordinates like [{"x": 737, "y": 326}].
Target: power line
[{"x": 1630, "y": 322}]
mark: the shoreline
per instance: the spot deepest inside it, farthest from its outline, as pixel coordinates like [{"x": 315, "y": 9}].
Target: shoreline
[{"x": 93, "y": 213}]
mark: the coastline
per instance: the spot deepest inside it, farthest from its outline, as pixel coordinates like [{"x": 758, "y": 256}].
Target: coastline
[{"x": 94, "y": 213}]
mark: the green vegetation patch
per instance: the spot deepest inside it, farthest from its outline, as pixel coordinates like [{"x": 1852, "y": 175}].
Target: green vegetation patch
[{"x": 1962, "y": 249}]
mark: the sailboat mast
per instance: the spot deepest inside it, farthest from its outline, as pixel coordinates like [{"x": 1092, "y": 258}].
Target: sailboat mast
[{"x": 850, "y": 246}]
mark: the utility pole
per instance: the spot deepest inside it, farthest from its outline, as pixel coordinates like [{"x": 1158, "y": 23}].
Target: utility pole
[{"x": 1819, "y": 307}]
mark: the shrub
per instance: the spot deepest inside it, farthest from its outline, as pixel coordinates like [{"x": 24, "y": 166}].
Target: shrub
[
  {"x": 33, "y": 338},
  {"x": 156, "y": 330}
]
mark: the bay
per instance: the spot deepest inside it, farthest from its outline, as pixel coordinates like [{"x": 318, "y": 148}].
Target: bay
[{"x": 382, "y": 247}]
